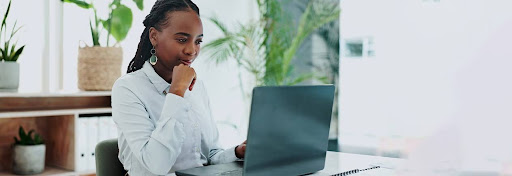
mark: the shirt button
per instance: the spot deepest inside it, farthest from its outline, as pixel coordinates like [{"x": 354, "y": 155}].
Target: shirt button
[
  {"x": 165, "y": 93},
  {"x": 196, "y": 125}
]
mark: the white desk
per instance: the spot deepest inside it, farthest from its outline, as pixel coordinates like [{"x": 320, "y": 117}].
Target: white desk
[{"x": 337, "y": 162}]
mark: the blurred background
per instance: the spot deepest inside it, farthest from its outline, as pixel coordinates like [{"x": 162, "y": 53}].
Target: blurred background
[{"x": 413, "y": 78}]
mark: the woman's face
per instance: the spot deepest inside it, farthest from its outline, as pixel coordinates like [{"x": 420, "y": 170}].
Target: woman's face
[{"x": 178, "y": 41}]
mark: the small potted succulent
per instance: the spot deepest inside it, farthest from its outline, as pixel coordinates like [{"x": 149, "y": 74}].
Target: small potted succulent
[
  {"x": 29, "y": 153},
  {"x": 9, "y": 54}
]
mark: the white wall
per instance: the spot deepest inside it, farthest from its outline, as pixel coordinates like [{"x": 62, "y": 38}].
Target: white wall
[
  {"x": 30, "y": 18},
  {"x": 438, "y": 66},
  {"x": 228, "y": 104}
]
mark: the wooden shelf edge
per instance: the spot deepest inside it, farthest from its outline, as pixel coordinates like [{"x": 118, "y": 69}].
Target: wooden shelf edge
[
  {"x": 57, "y": 94},
  {"x": 42, "y": 113},
  {"x": 54, "y": 171}
]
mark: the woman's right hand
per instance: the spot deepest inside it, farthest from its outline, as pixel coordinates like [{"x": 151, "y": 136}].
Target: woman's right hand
[{"x": 183, "y": 78}]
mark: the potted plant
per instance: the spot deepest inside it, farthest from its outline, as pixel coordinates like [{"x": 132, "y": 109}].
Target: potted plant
[
  {"x": 29, "y": 153},
  {"x": 266, "y": 48},
  {"x": 100, "y": 66},
  {"x": 9, "y": 54}
]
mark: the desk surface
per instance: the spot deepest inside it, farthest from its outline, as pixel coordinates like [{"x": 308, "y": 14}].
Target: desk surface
[{"x": 337, "y": 162}]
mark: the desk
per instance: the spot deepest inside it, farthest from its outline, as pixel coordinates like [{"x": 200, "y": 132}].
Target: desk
[{"x": 337, "y": 162}]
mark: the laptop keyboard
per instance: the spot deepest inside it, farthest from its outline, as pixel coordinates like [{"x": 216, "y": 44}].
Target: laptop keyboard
[{"x": 232, "y": 172}]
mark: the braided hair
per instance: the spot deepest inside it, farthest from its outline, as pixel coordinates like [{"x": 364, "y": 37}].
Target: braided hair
[{"x": 157, "y": 18}]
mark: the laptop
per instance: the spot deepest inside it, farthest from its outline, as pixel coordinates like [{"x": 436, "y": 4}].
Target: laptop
[{"x": 288, "y": 133}]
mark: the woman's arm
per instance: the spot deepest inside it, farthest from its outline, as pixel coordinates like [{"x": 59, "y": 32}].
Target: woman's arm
[
  {"x": 216, "y": 155},
  {"x": 155, "y": 146}
]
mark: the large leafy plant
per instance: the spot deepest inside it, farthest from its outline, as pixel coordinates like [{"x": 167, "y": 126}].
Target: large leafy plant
[
  {"x": 266, "y": 48},
  {"x": 27, "y": 139},
  {"x": 8, "y": 51},
  {"x": 117, "y": 24}
]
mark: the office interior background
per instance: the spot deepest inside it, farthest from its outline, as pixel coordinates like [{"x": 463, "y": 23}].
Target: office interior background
[{"x": 427, "y": 80}]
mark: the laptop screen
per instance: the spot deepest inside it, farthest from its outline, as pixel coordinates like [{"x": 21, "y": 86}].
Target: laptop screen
[{"x": 288, "y": 130}]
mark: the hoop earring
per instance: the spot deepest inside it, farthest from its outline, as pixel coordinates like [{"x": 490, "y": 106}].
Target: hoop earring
[{"x": 153, "y": 59}]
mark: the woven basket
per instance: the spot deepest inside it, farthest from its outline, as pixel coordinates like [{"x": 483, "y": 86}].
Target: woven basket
[{"x": 99, "y": 67}]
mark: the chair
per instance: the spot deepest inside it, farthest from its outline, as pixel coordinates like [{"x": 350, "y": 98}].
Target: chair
[{"x": 107, "y": 163}]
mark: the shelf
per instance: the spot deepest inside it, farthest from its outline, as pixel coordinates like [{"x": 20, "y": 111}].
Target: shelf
[
  {"x": 56, "y": 94},
  {"x": 53, "y": 116},
  {"x": 43, "y": 113},
  {"x": 14, "y": 102},
  {"x": 53, "y": 171}
]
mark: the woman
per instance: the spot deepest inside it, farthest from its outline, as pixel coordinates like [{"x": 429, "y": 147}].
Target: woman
[{"x": 161, "y": 110}]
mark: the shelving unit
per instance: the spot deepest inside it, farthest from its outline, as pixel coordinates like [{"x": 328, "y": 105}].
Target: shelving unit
[
  {"x": 54, "y": 172},
  {"x": 55, "y": 117}
]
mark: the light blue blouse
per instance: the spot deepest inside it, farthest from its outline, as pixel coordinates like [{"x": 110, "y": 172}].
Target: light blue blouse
[{"x": 161, "y": 132}]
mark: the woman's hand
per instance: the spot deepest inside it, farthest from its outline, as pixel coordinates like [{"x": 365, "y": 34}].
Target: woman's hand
[
  {"x": 183, "y": 78},
  {"x": 240, "y": 150}
]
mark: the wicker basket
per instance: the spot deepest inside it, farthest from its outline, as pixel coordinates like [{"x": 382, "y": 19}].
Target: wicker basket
[{"x": 99, "y": 67}]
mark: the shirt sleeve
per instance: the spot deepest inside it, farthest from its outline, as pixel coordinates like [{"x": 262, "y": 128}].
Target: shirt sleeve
[
  {"x": 156, "y": 146},
  {"x": 217, "y": 155}
]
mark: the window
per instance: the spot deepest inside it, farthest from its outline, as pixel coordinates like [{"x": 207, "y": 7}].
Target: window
[{"x": 359, "y": 47}]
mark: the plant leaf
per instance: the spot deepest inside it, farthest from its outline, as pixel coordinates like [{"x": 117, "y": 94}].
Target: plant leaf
[
  {"x": 94, "y": 34},
  {"x": 301, "y": 78},
  {"x": 316, "y": 15},
  {"x": 140, "y": 4},
  {"x": 5, "y": 16},
  {"x": 14, "y": 30},
  {"x": 79, "y": 3},
  {"x": 16, "y": 141},
  {"x": 18, "y": 53},
  {"x": 12, "y": 49},
  {"x": 1, "y": 55},
  {"x": 6, "y": 51},
  {"x": 121, "y": 22},
  {"x": 29, "y": 135},
  {"x": 105, "y": 23},
  {"x": 220, "y": 25},
  {"x": 23, "y": 135},
  {"x": 219, "y": 50},
  {"x": 37, "y": 139}
]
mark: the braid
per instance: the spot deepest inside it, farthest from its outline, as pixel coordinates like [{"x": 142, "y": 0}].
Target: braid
[
  {"x": 140, "y": 56},
  {"x": 157, "y": 18}
]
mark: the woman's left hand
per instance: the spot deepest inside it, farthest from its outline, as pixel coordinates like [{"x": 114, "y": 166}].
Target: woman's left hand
[{"x": 240, "y": 150}]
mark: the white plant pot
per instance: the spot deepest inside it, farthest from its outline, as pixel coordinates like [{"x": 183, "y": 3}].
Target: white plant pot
[
  {"x": 28, "y": 159},
  {"x": 9, "y": 76}
]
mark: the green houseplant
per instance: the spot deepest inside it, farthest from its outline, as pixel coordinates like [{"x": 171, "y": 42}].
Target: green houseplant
[
  {"x": 9, "y": 54},
  {"x": 266, "y": 48},
  {"x": 29, "y": 153},
  {"x": 99, "y": 66}
]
